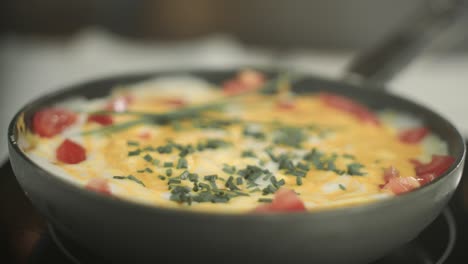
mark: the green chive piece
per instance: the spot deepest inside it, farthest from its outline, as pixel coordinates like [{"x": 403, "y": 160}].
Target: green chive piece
[
  {"x": 229, "y": 169},
  {"x": 182, "y": 164},
  {"x": 148, "y": 158},
  {"x": 133, "y": 143},
  {"x": 155, "y": 162},
  {"x": 239, "y": 180},
  {"x": 193, "y": 177},
  {"x": 149, "y": 170},
  {"x": 354, "y": 169},
  {"x": 265, "y": 200},
  {"x": 162, "y": 177},
  {"x": 248, "y": 154},
  {"x": 342, "y": 187},
  {"x": 299, "y": 180},
  {"x": 168, "y": 164},
  {"x": 174, "y": 181},
  {"x": 168, "y": 172},
  {"x": 210, "y": 177},
  {"x": 134, "y": 152},
  {"x": 130, "y": 177},
  {"x": 184, "y": 175}
]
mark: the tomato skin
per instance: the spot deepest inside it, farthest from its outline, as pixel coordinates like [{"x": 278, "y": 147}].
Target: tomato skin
[
  {"x": 437, "y": 166},
  {"x": 70, "y": 152},
  {"x": 175, "y": 102},
  {"x": 285, "y": 105},
  {"x": 99, "y": 185},
  {"x": 390, "y": 172},
  {"x": 426, "y": 178},
  {"x": 348, "y": 105},
  {"x": 285, "y": 200},
  {"x": 244, "y": 81},
  {"x": 413, "y": 135},
  {"x": 104, "y": 120},
  {"x": 399, "y": 185},
  {"x": 49, "y": 122}
]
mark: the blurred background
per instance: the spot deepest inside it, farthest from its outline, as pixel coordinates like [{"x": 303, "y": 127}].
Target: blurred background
[{"x": 48, "y": 44}]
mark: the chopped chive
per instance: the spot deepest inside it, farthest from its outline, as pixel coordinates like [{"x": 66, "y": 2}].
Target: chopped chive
[
  {"x": 130, "y": 177},
  {"x": 164, "y": 149},
  {"x": 148, "y": 158},
  {"x": 265, "y": 200},
  {"x": 248, "y": 154},
  {"x": 299, "y": 180},
  {"x": 193, "y": 177},
  {"x": 184, "y": 175},
  {"x": 195, "y": 187},
  {"x": 303, "y": 166},
  {"x": 269, "y": 189},
  {"x": 229, "y": 169},
  {"x": 342, "y": 187},
  {"x": 354, "y": 169},
  {"x": 210, "y": 177},
  {"x": 162, "y": 177},
  {"x": 239, "y": 180},
  {"x": 149, "y": 170},
  {"x": 182, "y": 164},
  {"x": 140, "y": 171},
  {"x": 348, "y": 156},
  {"x": 134, "y": 152},
  {"x": 281, "y": 182},
  {"x": 168, "y": 172},
  {"x": 174, "y": 181},
  {"x": 155, "y": 162},
  {"x": 133, "y": 143},
  {"x": 168, "y": 164},
  {"x": 204, "y": 186}
]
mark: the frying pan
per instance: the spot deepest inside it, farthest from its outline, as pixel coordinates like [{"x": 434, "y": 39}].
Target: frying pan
[{"x": 128, "y": 232}]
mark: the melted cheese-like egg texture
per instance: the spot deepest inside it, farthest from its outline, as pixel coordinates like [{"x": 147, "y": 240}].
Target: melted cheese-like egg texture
[{"x": 181, "y": 142}]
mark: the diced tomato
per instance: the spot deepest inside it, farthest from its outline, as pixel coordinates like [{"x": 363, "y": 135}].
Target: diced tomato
[
  {"x": 399, "y": 185},
  {"x": 144, "y": 135},
  {"x": 104, "y": 120},
  {"x": 52, "y": 121},
  {"x": 70, "y": 152},
  {"x": 245, "y": 81},
  {"x": 437, "y": 166},
  {"x": 390, "y": 172},
  {"x": 426, "y": 178},
  {"x": 99, "y": 185},
  {"x": 176, "y": 102},
  {"x": 285, "y": 105},
  {"x": 251, "y": 78},
  {"x": 119, "y": 104},
  {"x": 345, "y": 104},
  {"x": 413, "y": 135},
  {"x": 285, "y": 200},
  {"x": 415, "y": 162}
]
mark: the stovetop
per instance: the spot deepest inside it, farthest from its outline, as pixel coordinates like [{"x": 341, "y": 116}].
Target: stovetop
[{"x": 25, "y": 237}]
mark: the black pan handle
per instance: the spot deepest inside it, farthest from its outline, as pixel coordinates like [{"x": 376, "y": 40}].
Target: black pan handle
[{"x": 382, "y": 62}]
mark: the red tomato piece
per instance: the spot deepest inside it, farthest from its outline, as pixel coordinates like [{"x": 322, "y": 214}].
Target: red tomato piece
[
  {"x": 285, "y": 200},
  {"x": 144, "y": 135},
  {"x": 426, "y": 178},
  {"x": 285, "y": 105},
  {"x": 437, "y": 166},
  {"x": 52, "y": 121},
  {"x": 345, "y": 104},
  {"x": 415, "y": 162},
  {"x": 119, "y": 104},
  {"x": 390, "y": 173},
  {"x": 70, "y": 152},
  {"x": 399, "y": 185},
  {"x": 251, "y": 78},
  {"x": 245, "y": 81},
  {"x": 413, "y": 135},
  {"x": 99, "y": 185},
  {"x": 104, "y": 120},
  {"x": 176, "y": 102}
]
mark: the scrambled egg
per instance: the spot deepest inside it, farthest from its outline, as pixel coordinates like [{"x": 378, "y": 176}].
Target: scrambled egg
[{"x": 234, "y": 155}]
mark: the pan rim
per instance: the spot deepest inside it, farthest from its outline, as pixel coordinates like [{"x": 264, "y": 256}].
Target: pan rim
[{"x": 327, "y": 212}]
